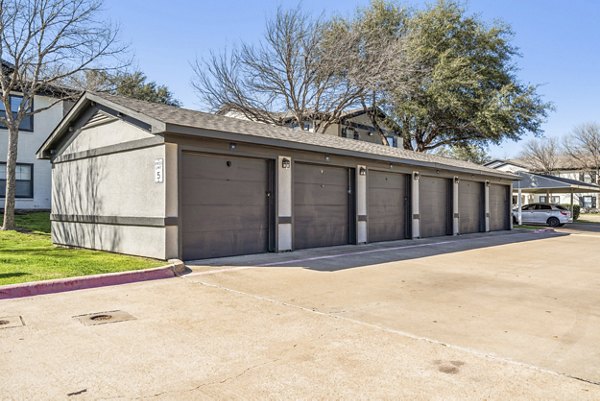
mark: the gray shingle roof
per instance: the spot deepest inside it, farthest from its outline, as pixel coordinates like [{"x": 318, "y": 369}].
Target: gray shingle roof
[{"x": 174, "y": 116}]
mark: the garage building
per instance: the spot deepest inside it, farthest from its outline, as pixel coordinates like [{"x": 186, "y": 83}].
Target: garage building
[{"x": 159, "y": 181}]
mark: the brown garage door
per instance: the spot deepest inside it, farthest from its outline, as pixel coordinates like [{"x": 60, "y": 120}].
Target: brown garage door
[
  {"x": 322, "y": 205},
  {"x": 499, "y": 207},
  {"x": 226, "y": 205},
  {"x": 435, "y": 208},
  {"x": 387, "y": 203},
  {"x": 470, "y": 206}
]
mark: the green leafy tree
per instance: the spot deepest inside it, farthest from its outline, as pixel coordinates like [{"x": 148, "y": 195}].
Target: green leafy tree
[
  {"x": 464, "y": 90},
  {"x": 471, "y": 153},
  {"x": 134, "y": 85},
  {"x": 129, "y": 84}
]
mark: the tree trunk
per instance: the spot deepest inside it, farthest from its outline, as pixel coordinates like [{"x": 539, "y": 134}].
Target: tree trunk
[{"x": 11, "y": 165}]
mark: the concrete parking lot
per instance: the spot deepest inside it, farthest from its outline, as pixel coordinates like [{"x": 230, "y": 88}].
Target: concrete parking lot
[{"x": 501, "y": 316}]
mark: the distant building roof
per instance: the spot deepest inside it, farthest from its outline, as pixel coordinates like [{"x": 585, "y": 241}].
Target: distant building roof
[{"x": 541, "y": 183}]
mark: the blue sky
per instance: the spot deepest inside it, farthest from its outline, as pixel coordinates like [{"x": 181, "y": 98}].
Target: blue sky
[{"x": 559, "y": 42}]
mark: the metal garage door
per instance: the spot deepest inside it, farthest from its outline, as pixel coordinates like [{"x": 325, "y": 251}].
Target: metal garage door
[
  {"x": 435, "y": 206},
  {"x": 322, "y": 205},
  {"x": 387, "y": 203},
  {"x": 499, "y": 207},
  {"x": 226, "y": 205},
  {"x": 470, "y": 206}
]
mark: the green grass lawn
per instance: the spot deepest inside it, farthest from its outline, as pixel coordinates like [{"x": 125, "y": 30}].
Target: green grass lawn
[{"x": 30, "y": 255}]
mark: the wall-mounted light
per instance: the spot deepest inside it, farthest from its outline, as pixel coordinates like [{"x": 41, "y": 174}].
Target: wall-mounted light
[
  {"x": 437, "y": 171},
  {"x": 232, "y": 146},
  {"x": 286, "y": 163},
  {"x": 487, "y": 183},
  {"x": 362, "y": 171},
  {"x": 391, "y": 165},
  {"x": 327, "y": 158},
  {"x": 456, "y": 180},
  {"x": 416, "y": 176}
]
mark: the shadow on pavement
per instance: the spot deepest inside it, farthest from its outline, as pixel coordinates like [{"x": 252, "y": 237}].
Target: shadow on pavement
[{"x": 350, "y": 256}]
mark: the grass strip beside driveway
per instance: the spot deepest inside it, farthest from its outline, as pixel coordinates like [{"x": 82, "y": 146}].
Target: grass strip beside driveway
[{"x": 29, "y": 255}]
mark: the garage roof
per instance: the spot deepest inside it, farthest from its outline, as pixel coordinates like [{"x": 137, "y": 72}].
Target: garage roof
[{"x": 164, "y": 119}]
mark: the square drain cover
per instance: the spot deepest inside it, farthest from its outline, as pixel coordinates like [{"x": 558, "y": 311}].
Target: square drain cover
[
  {"x": 11, "y": 321},
  {"x": 113, "y": 316}
]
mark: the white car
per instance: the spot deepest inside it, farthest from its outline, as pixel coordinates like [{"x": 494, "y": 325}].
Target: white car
[{"x": 543, "y": 213}]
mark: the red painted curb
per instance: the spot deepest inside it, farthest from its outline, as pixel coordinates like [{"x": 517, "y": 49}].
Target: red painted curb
[{"x": 80, "y": 283}]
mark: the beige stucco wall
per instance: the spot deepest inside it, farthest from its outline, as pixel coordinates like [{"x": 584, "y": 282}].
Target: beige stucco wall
[
  {"x": 97, "y": 136},
  {"x": 112, "y": 186},
  {"x": 118, "y": 184},
  {"x": 29, "y": 142},
  {"x": 132, "y": 240}
]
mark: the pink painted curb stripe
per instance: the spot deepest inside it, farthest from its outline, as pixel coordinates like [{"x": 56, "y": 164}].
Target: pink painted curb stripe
[{"x": 80, "y": 283}]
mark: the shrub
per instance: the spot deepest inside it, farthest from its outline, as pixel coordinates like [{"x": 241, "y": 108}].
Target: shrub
[{"x": 576, "y": 210}]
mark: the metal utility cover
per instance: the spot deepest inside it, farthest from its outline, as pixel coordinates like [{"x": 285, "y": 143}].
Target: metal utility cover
[
  {"x": 11, "y": 321},
  {"x": 225, "y": 205},
  {"x": 386, "y": 206},
  {"x": 94, "y": 319},
  {"x": 320, "y": 206}
]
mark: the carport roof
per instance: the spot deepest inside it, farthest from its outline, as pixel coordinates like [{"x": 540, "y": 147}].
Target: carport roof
[
  {"x": 540, "y": 183},
  {"x": 164, "y": 119}
]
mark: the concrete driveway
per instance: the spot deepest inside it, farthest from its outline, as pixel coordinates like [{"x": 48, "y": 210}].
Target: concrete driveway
[{"x": 512, "y": 316}]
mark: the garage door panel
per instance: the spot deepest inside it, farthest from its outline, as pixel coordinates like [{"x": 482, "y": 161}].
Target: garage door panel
[
  {"x": 320, "y": 206},
  {"x": 311, "y": 194},
  {"x": 470, "y": 200},
  {"x": 225, "y": 208},
  {"x": 211, "y": 167},
  {"x": 224, "y": 191},
  {"x": 206, "y": 244},
  {"x": 499, "y": 207},
  {"x": 434, "y": 204},
  {"x": 386, "y": 206},
  {"x": 211, "y": 218}
]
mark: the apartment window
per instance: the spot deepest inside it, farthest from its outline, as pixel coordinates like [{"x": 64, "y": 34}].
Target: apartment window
[
  {"x": 553, "y": 199},
  {"x": 24, "y": 174},
  {"x": 306, "y": 126},
  {"x": 356, "y": 135},
  {"x": 15, "y": 102},
  {"x": 392, "y": 141},
  {"x": 588, "y": 202}
]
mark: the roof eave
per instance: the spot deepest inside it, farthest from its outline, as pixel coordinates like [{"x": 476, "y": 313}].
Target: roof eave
[
  {"x": 87, "y": 99},
  {"x": 233, "y": 136}
]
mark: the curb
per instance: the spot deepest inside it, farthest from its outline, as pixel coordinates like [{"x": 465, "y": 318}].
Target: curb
[{"x": 175, "y": 268}]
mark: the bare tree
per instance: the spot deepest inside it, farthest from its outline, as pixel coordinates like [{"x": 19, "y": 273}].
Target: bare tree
[
  {"x": 541, "y": 154},
  {"x": 583, "y": 147},
  {"x": 303, "y": 70},
  {"x": 43, "y": 44}
]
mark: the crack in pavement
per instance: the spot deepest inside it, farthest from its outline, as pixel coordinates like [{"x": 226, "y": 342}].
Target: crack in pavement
[
  {"x": 471, "y": 351},
  {"x": 221, "y": 381}
]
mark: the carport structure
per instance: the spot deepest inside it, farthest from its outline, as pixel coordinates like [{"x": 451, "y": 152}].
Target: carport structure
[{"x": 533, "y": 183}]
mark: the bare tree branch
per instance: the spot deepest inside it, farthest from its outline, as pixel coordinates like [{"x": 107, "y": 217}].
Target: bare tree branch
[
  {"x": 542, "y": 155},
  {"x": 44, "y": 43}
]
